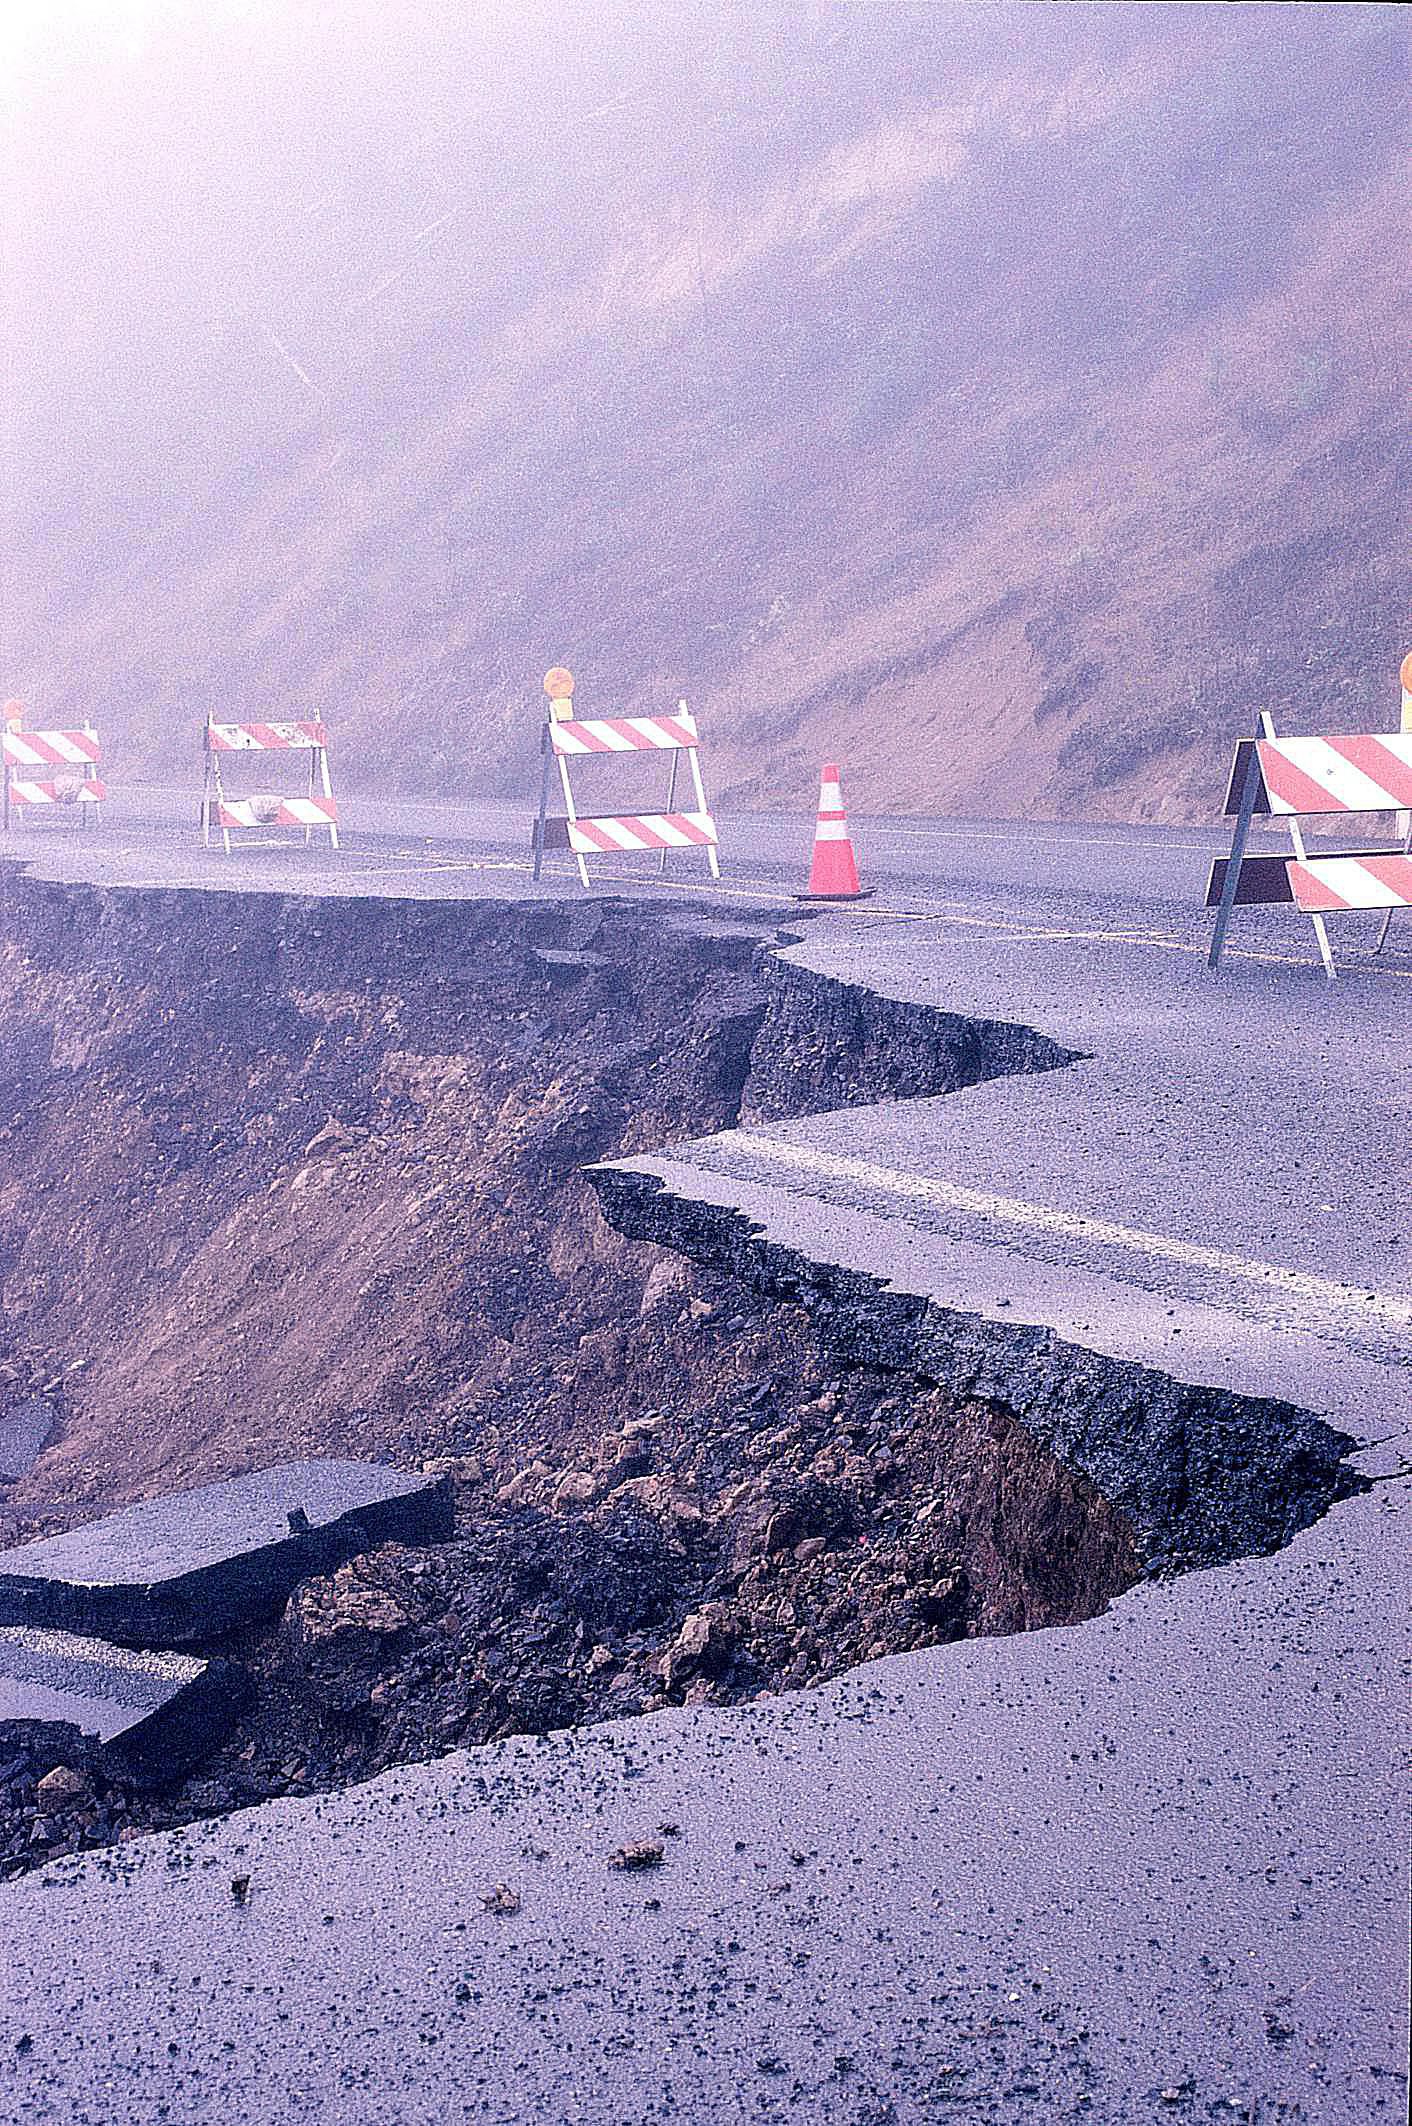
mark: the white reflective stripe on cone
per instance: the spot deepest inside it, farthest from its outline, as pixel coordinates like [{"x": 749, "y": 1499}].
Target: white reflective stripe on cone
[{"x": 831, "y": 830}]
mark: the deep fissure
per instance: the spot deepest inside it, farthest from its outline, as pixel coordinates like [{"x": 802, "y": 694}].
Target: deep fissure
[{"x": 289, "y": 1176}]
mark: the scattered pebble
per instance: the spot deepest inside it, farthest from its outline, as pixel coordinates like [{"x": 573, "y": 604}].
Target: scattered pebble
[{"x": 645, "y": 1853}]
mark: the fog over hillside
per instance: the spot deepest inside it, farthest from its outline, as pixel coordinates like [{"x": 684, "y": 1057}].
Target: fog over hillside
[{"x": 1010, "y": 400}]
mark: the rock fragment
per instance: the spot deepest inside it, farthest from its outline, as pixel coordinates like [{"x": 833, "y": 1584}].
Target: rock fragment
[{"x": 642, "y": 1853}]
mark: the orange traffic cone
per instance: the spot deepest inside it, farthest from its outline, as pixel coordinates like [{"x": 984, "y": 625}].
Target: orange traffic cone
[{"x": 833, "y": 875}]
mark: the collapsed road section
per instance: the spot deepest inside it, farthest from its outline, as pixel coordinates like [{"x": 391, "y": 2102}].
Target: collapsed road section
[
  {"x": 1201, "y": 1475},
  {"x": 84, "y": 1705},
  {"x": 328, "y": 1186},
  {"x": 322, "y": 1165}
]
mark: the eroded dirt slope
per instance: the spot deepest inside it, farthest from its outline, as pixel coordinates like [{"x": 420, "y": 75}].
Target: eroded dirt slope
[
  {"x": 286, "y": 1176},
  {"x": 289, "y": 1175}
]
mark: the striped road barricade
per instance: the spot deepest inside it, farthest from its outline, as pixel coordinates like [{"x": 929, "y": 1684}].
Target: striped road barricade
[
  {"x": 567, "y": 739},
  {"x": 58, "y": 768},
  {"x": 311, "y": 811},
  {"x": 1353, "y": 774}
]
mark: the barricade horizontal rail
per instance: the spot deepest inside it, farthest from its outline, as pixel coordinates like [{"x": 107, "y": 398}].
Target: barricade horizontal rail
[
  {"x": 267, "y": 812},
  {"x": 50, "y": 749},
  {"x": 86, "y": 791},
  {"x": 625, "y": 832},
  {"x": 1365, "y": 773},
  {"x": 625, "y": 734},
  {"x": 264, "y": 737},
  {"x": 1323, "y": 885}
]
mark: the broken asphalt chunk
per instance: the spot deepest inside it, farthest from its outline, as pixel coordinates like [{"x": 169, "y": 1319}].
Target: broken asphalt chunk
[
  {"x": 193, "y": 1564},
  {"x": 145, "y": 1717}
]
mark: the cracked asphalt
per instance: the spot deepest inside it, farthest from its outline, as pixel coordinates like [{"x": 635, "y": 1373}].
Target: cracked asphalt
[{"x": 1147, "y": 1868}]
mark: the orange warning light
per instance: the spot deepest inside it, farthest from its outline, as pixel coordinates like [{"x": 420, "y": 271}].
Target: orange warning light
[
  {"x": 1407, "y": 673},
  {"x": 559, "y": 682},
  {"x": 14, "y": 714}
]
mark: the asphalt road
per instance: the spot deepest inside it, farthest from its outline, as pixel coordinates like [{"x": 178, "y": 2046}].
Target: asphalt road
[
  {"x": 151, "y": 832},
  {"x": 1146, "y": 1868},
  {"x": 1217, "y": 1186}
]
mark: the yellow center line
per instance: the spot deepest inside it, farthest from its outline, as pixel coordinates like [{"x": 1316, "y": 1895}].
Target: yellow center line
[{"x": 1043, "y": 1217}]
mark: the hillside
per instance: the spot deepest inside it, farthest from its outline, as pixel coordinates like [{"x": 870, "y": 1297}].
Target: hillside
[{"x": 1009, "y": 400}]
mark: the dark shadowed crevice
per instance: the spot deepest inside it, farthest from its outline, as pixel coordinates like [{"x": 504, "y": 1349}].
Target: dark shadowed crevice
[{"x": 1203, "y": 1475}]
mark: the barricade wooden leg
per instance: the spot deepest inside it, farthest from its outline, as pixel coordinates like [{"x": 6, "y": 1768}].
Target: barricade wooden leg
[
  {"x": 571, "y": 814},
  {"x": 1404, "y": 828},
  {"x": 1237, "y": 856},
  {"x": 1320, "y": 927},
  {"x": 220, "y": 801},
  {"x": 546, "y": 762},
  {"x": 326, "y": 784},
  {"x": 711, "y": 857},
  {"x": 671, "y": 804}
]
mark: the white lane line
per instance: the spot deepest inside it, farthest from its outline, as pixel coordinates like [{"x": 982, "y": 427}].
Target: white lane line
[{"x": 1042, "y": 1217}]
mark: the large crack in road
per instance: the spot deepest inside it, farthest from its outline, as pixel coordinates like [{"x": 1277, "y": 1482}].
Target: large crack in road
[{"x": 308, "y": 1176}]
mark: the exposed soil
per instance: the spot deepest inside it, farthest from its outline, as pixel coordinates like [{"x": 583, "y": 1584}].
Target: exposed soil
[
  {"x": 284, "y": 1176},
  {"x": 287, "y": 1177}
]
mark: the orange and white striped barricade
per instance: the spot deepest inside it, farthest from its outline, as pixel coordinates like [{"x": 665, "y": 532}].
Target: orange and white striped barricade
[
  {"x": 315, "y": 811},
  {"x": 52, "y": 768},
  {"x": 1365, "y": 773},
  {"x": 566, "y": 738}
]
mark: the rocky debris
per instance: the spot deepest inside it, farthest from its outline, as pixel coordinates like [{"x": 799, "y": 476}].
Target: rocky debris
[
  {"x": 703, "y": 1647},
  {"x": 65, "y": 1787},
  {"x": 578, "y": 1487},
  {"x": 334, "y": 1137},
  {"x": 342, "y": 1630},
  {"x": 501, "y": 1899},
  {"x": 788, "y": 1527},
  {"x": 48, "y": 1807}
]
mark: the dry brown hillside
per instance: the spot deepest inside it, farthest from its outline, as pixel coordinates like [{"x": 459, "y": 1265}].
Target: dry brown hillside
[{"x": 1009, "y": 400}]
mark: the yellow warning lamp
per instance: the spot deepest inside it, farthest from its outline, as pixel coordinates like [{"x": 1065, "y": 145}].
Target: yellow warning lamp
[{"x": 559, "y": 686}]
